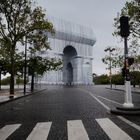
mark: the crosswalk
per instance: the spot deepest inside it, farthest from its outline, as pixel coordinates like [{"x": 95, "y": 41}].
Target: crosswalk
[
  {"x": 40, "y": 131},
  {"x": 75, "y": 130},
  {"x": 8, "y": 130},
  {"x": 112, "y": 130}
]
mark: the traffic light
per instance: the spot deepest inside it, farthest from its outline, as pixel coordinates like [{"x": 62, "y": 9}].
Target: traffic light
[
  {"x": 124, "y": 26},
  {"x": 130, "y": 61}
]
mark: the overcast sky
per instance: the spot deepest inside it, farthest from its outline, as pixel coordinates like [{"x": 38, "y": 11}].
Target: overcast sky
[{"x": 96, "y": 14}]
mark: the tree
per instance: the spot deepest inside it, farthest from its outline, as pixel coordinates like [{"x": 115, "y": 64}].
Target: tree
[
  {"x": 131, "y": 9},
  {"x": 102, "y": 79},
  {"x": 134, "y": 53},
  {"x": 136, "y": 65},
  {"x": 19, "y": 19},
  {"x": 117, "y": 79},
  {"x": 135, "y": 78},
  {"x": 115, "y": 57},
  {"x": 5, "y": 62},
  {"x": 38, "y": 65}
]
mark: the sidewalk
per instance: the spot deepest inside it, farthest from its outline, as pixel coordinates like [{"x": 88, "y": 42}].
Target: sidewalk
[
  {"x": 5, "y": 96},
  {"x": 122, "y": 88}
]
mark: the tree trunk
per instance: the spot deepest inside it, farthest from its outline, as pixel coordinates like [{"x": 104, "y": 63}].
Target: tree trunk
[
  {"x": 12, "y": 73},
  {"x": 0, "y": 78},
  {"x": 12, "y": 85},
  {"x": 32, "y": 82},
  {"x": 134, "y": 85}
]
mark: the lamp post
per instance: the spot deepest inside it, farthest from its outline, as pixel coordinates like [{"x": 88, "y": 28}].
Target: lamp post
[
  {"x": 25, "y": 65},
  {"x": 110, "y": 65}
]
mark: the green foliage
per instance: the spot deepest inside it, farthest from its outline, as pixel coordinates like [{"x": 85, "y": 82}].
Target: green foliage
[
  {"x": 135, "y": 77},
  {"x": 20, "y": 81},
  {"x": 136, "y": 65},
  {"x": 134, "y": 51},
  {"x": 5, "y": 81},
  {"x": 114, "y": 58},
  {"x": 102, "y": 79},
  {"x": 117, "y": 79},
  {"x": 19, "y": 19},
  {"x": 131, "y": 9},
  {"x": 39, "y": 65},
  {"x": 5, "y": 62}
]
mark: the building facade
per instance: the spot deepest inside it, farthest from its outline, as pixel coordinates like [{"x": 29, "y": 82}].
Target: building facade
[{"x": 72, "y": 44}]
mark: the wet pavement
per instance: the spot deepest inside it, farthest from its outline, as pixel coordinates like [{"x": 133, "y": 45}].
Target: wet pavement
[{"x": 69, "y": 113}]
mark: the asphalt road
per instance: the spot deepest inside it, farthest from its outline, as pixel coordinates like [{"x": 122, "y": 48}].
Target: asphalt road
[{"x": 63, "y": 113}]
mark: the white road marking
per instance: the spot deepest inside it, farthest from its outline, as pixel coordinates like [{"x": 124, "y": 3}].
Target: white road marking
[
  {"x": 109, "y": 100},
  {"x": 129, "y": 122},
  {"x": 112, "y": 130},
  {"x": 90, "y": 93},
  {"x": 76, "y": 130},
  {"x": 7, "y": 130},
  {"x": 40, "y": 131}
]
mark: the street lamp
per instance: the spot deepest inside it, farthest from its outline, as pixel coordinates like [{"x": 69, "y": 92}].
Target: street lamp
[
  {"x": 110, "y": 72},
  {"x": 25, "y": 65}
]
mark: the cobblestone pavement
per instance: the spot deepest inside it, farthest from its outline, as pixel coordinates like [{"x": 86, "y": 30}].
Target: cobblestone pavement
[{"x": 64, "y": 113}]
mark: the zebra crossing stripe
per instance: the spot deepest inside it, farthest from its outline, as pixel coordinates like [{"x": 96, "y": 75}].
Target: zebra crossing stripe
[
  {"x": 40, "y": 131},
  {"x": 76, "y": 130},
  {"x": 112, "y": 130},
  {"x": 129, "y": 123},
  {"x": 7, "y": 130}
]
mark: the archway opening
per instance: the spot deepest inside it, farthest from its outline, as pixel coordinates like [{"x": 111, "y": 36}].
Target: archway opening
[
  {"x": 70, "y": 51},
  {"x": 68, "y": 64}
]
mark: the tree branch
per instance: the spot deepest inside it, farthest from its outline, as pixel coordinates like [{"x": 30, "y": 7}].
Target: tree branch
[{"x": 2, "y": 30}]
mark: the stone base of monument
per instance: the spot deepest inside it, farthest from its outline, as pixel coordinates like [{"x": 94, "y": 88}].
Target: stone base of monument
[{"x": 125, "y": 111}]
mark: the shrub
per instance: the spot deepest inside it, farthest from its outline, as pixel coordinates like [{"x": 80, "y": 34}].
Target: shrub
[{"x": 5, "y": 81}]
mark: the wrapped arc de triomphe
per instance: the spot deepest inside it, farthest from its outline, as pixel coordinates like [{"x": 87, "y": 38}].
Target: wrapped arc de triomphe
[{"x": 72, "y": 44}]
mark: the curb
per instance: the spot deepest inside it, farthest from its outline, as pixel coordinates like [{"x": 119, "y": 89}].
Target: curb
[
  {"x": 123, "y": 90},
  {"x": 114, "y": 89},
  {"x": 125, "y": 111},
  {"x": 16, "y": 98}
]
